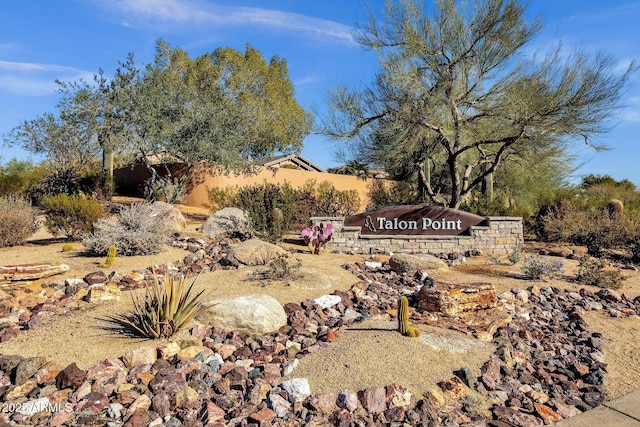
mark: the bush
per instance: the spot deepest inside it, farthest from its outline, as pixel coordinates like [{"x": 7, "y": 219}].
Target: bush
[
  {"x": 536, "y": 267},
  {"x": 18, "y": 220},
  {"x": 220, "y": 198},
  {"x": 136, "y": 232},
  {"x": 71, "y": 216},
  {"x": 391, "y": 193},
  {"x": 282, "y": 267},
  {"x": 573, "y": 222},
  {"x": 593, "y": 272},
  {"x": 16, "y": 177}
]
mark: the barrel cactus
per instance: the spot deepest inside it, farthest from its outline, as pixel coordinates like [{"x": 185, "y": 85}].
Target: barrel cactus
[{"x": 403, "y": 319}]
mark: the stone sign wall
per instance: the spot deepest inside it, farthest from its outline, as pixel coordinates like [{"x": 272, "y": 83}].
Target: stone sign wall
[{"x": 422, "y": 229}]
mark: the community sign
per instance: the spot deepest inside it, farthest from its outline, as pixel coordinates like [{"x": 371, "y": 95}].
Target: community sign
[{"x": 414, "y": 220}]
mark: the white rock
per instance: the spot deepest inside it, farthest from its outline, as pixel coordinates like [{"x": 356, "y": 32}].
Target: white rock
[
  {"x": 289, "y": 366},
  {"x": 326, "y": 301},
  {"x": 298, "y": 389},
  {"x": 34, "y": 406},
  {"x": 253, "y": 313},
  {"x": 279, "y": 405}
]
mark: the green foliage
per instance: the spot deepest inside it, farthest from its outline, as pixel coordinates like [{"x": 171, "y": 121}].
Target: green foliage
[
  {"x": 279, "y": 208},
  {"x": 403, "y": 319},
  {"x": 71, "y": 216},
  {"x": 221, "y": 197},
  {"x": 383, "y": 193},
  {"x": 454, "y": 100},
  {"x": 515, "y": 255},
  {"x": 272, "y": 209},
  {"x": 137, "y": 231},
  {"x": 17, "y": 176},
  {"x": 323, "y": 199},
  {"x": 18, "y": 220},
  {"x": 165, "y": 308},
  {"x": 594, "y": 272},
  {"x": 68, "y": 247},
  {"x": 537, "y": 267}
]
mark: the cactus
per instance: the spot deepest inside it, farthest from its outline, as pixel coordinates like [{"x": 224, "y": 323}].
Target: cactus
[
  {"x": 403, "y": 319},
  {"x": 68, "y": 247},
  {"x": 111, "y": 256},
  {"x": 615, "y": 208}
]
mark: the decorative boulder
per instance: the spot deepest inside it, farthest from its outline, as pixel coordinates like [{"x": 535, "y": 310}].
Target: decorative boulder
[
  {"x": 169, "y": 215},
  {"x": 228, "y": 223},
  {"x": 254, "y": 252},
  {"x": 253, "y": 313},
  {"x": 407, "y": 263}
]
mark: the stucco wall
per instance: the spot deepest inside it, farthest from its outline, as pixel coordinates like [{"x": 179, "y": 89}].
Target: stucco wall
[
  {"x": 500, "y": 234},
  {"x": 129, "y": 181}
]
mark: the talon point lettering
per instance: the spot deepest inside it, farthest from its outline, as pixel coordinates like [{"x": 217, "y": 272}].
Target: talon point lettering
[{"x": 425, "y": 224}]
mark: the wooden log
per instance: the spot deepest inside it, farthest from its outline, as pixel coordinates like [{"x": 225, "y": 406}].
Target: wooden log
[{"x": 22, "y": 272}]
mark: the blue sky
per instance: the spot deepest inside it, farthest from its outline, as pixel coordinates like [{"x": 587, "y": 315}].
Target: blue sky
[{"x": 44, "y": 40}]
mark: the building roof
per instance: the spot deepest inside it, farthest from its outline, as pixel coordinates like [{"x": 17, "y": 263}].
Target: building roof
[{"x": 295, "y": 159}]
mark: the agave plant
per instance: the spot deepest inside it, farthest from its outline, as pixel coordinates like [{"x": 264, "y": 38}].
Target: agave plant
[{"x": 165, "y": 308}]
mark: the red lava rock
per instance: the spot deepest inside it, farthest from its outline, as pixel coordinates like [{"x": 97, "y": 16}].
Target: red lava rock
[
  {"x": 548, "y": 415},
  {"x": 96, "y": 277},
  {"x": 373, "y": 399},
  {"x": 395, "y": 414},
  {"x": 140, "y": 418},
  {"x": 323, "y": 403},
  {"x": 70, "y": 377},
  {"x": 263, "y": 415}
]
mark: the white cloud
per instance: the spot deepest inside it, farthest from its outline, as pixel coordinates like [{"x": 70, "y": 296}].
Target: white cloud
[
  {"x": 33, "y": 79},
  {"x": 194, "y": 12},
  {"x": 632, "y": 112}
]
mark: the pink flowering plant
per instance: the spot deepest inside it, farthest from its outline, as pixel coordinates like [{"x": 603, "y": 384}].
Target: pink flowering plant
[{"x": 316, "y": 236}]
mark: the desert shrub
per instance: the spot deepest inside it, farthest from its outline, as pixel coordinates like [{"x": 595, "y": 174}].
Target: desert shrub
[
  {"x": 391, "y": 193},
  {"x": 165, "y": 308},
  {"x": 279, "y": 208},
  {"x": 282, "y": 267},
  {"x": 222, "y": 197},
  {"x": 537, "y": 267},
  {"x": 577, "y": 223},
  {"x": 594, "y": 272},
  {"x": 515, "y": 255},
  {"x": 17, "y": 176},
  {"x": 135, "y": 232},
  {"x": 329, "y": 201},
  {"x": 18, "y": 220},
  {"x": 272, "y": 208},
  {"x": 71, "y": 216}
]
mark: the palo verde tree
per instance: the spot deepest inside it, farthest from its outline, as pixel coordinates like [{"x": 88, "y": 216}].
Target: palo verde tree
[{"x": 456, "y": 97}]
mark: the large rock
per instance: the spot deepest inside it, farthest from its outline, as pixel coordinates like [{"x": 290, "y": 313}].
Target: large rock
[
  {"x": 254, "y": 313},
  {"x": 453, "y": 299},
  {"x": 408, "y": 263},
  {"x": 228, "y": 223},
  {"x": 254, "y": 252},
  {"x": 169, "y": 215}
]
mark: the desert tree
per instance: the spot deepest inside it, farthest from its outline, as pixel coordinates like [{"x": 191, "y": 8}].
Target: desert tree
[
  {"x": 458, "y": 94},
  {"x": 221, "y": 109}
]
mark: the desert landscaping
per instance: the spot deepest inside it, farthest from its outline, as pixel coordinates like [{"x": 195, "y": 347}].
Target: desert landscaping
[{"x": 546, "y": 350}]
